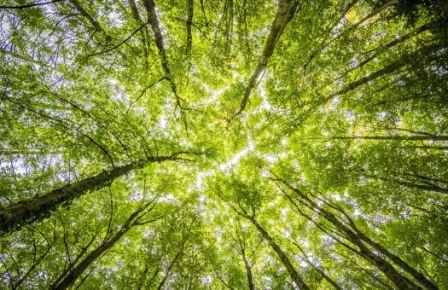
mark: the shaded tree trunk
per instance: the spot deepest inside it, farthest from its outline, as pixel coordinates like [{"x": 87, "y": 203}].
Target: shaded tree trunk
[
  {"x": 326, "y": 43},
  {"x": 178, "y": 255},
  {"x": 189, "y": 23},
  {"x": 144, "y": 32},
  {"x": 300, "y": 283},
  {"x": 78, "y": 270},
  {"x": 427, "y": 186},
  {"x": 24, "y": 6},
  {"x": 250, "y": 281},
  {"x": 403, "y": 61},
  {"x": 323, "y": 43},
  {"x": 26, "y": 211},
  {"x": 150, "y": 7},
  {"x": 84, "y": 13},
  {"x": 393, "y": 43},
  {"x": 321, "y": 272},
  {"x": 358, "y": 238},
  {"x": 395, "y": 137},
  {"x": 285, "y": 12}
]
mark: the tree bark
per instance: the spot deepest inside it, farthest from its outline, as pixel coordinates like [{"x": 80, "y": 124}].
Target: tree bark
[
  {"x": 427, "y": 187},
  {"x": 176, "y": 257},
  {"x": 29, "y": 5},
  {"x": 84, "y": 13},
  {"x": 76, "y": 272},
  {"x": 144, "y": 32},
  {"x": 323, "y": 43},
  {"x": 326, "y": 43}
]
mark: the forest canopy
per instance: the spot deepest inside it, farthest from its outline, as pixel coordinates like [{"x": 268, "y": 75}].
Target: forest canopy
[{"x": 224, "y": 144}]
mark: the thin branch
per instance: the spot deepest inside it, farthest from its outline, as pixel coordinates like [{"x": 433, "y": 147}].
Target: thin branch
[
  {"x": 29, "y": 5},
  {"x": 120, "y": 43}
]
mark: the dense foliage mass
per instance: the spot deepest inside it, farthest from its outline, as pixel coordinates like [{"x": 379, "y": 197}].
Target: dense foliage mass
[{"x": 193, "y": 144}]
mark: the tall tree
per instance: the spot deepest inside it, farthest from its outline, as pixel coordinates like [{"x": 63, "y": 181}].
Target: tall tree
[
  {"x": 137, "y": 218},
  {"x": 26, "y": 211}
]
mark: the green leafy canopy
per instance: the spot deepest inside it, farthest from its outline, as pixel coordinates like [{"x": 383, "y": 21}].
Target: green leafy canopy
[{"x": 192, "y": 144}]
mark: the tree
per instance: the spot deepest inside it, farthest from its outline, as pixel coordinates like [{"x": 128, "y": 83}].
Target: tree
[{"x": 284, "y": 144}]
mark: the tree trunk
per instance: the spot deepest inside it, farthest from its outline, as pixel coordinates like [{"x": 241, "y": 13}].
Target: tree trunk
[
  {"x": 189, "y": 23},
  {"x": 27, "y": 211},
  {"x": 393, "y": 137},
  {"x": 150, "y": 7},
  {"x": 399, "y": 280},
  {"x": 84, "y": 13},
  {"x": 178, "y": 255},
  {"x": 427, "y": 187},
  {"x": 398, "y": 261},
  {"x": 393, "y": 43},
  {"x": 249, "y": 276},
  {"x": 285, "y": 12},
  {"x": 383, "y": 265},
  {"x": 403, "y": 61},
  {"x": 324, "y": 44},
  {"x": 321, "y": 272},
  {"x": 144, "y": 32},
  {"x": 78, "y": 270},
  {"x": 300, "y": 283}
]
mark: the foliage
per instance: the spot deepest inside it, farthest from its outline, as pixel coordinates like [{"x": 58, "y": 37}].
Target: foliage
[{"x": 265, "y": 144}]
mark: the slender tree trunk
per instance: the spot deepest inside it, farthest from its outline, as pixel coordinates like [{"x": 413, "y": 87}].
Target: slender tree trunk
[
  {"x": 176, "y": 257},
  {"x": 189, "y": 22},
  {"x": 300, "y": 283},
  {"x": 428, "y": 147},
  {"x": 24, "y": 6},
  {"x": 78, "y": 270},
  {"x": 144, "y": 32},
  {"x": 26, "y": 211},
  {"x": 321, "y": 272},
  {"x": 348, "y": 259},
  {"x": 75, "y": 261},
  {"x": 403, "y": 61},
  {"x": 398, "y": 261},
  {"x": 381, "y": 249},
  {"x": 426, "y": 187},
  {"x": 420, "y": 177},
  {"x": 150, "y": 7},
  {"x": 325, "y": 43},
  {"x": 392, "y": 137},
  {"x": 250, "y": 281},
  {"x": 285, "y": 12},
  {"x": 393, "y": 43},
  {"x": 399, "y": 280}
]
